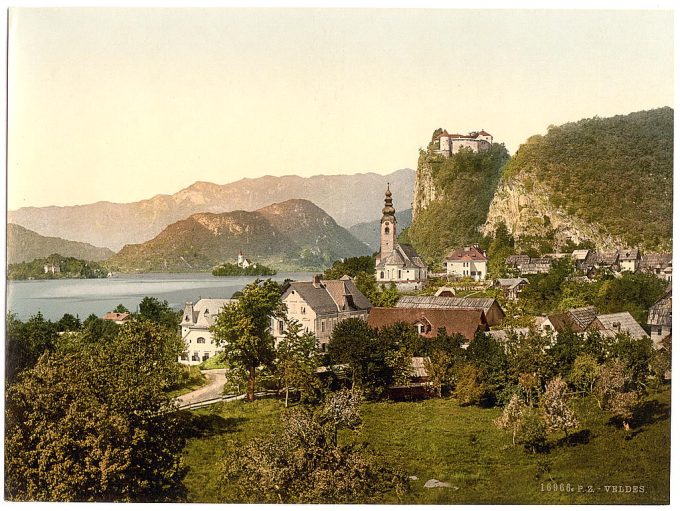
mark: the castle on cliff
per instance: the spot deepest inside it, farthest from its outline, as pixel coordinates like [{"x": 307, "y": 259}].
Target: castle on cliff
[{"x": 478, "y": 141}]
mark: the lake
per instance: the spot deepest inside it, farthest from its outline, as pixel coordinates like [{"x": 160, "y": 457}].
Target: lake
[{"x": 82, "y": 297}]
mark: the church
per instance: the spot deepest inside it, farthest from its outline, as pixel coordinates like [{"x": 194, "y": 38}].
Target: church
[{"x": 396, "y": 262}]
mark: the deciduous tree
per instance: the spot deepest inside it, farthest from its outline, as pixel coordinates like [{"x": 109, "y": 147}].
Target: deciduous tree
[
  {"x": 555, "y": 406},
  {"x": 243, "y": 328}
]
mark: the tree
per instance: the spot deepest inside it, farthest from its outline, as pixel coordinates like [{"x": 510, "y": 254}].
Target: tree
[
  {"x": 160, "y": 312},
  {"x": 351, "y": 266},
  {"x": 555, "y": 406},
  {"x": 97, "y": 424},
  {"x": 297, "y": 358},
  {"x": 512, "y": 416},
  {"x": 615, "y": 390},
  {"x": 531, "y": 432},
  {"x": 470, "y": 388},
  {"x": 303, "y": 463},
  {"x": 584, "y": 373},
  {"x": 68, "y": 323},
  {"x": 243, "y": 328},
  {"x": 27, "y": 341},
  {"x": 121, "y": 309},
  {"x": 438, "y": 367}
]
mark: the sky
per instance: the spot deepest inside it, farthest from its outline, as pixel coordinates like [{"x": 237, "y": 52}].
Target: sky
[{"x": 124, "y": 104}]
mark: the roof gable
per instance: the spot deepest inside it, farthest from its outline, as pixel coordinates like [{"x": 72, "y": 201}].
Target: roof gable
[{"x": 466, "y": 322}]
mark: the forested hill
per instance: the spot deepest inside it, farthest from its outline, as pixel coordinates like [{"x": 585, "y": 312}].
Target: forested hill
[
  {"x": 451, "y": 199},
  {"x": 606, "y": 180},
  {"x": 26, "y": 245},
  {"x": 291, "y": 235}
]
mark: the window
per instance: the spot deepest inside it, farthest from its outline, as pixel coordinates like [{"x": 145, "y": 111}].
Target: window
[
  {"x": 200, "y": 340},
  {"x": 399, "y": 274},
  {"x": 387, "y": 230},
  {"x": 184, "y": 356},
  {"x": 323, "y": 326},
  {"x": 280, "y": 325},
  {"x": 659, "y": 330},
  {"x": 382, "y": 274},
  {"x": 206, "y": 356},
  {"x": 194, "y": 357},
  {"x": 186, "y": 318},
  {"x": 303, "y": 309}
]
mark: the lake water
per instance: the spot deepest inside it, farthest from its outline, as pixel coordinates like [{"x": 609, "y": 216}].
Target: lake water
[{"x": 82, "y": 297}]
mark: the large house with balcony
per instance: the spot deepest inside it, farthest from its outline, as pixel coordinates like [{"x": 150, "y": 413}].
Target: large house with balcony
[
  {"x": 195, "y": 329},
  {"x": 468, "y": 261},
  {"x": 319, "y": 305}
]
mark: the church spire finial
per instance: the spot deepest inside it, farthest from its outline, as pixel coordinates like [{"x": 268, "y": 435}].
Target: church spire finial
[{"x": 388, "y": 210}]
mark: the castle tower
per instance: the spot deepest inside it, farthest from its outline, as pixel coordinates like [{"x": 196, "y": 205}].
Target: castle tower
[{"x": 388, "y": 227}]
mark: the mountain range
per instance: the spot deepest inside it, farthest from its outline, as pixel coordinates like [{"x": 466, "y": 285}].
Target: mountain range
[
  {"x": 349, "y": 199},
  {"x": 291, "y": 235}
]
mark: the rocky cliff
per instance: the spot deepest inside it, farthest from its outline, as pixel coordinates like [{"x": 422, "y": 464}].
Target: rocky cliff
[
  {"x": 606, "y": 181},
  {"x": 451, "y": 199}
]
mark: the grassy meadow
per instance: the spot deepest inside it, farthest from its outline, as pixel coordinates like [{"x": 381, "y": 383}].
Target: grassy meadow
[{"x": 438, "y": 439}]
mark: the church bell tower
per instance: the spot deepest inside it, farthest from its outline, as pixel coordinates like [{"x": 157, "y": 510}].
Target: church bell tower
[{"x": 388, "y": 226}]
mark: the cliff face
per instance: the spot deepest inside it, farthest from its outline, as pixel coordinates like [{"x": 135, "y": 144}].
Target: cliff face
[
  {"x": 527, "y": 212},
  {"x": 607, "y": 181},
  {"x": 424, "y": 190},
  {"x": 451, "y": 199}
]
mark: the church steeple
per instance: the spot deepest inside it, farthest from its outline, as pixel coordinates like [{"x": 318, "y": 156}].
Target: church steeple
[
  {"x": 388, "y": 210},
  {"x": 388, "y": 226}
]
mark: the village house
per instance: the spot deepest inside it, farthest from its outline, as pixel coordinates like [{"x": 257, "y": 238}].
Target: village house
[
  {"x": 119, "y": 318},
  {"x": 195, "y": 329},
  {"x": 319, "y": 305},
  {"x": 658, "y": 264},
  {"x": 576, "y": 320},
  {"x": 449, "y": 144},
  {"x": 629, "y": 259},
  {"x": 517, "y": 260},
  {"x": 468, "y": 261},
  {"x": 659, "y": 319},
  {"x": 585, "y": 319},
  {"x": 397, "y": 263},
  {"x": 511, "y": 287},
  {"x": 428, "y": 321},
  {"x": 608, "y": 260},
  {"x": 493, "y": 312},
  {"x": 535, "y": 266}
]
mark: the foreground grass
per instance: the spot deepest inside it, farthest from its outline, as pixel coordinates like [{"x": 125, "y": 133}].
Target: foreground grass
[{"x": 438, "y": 439}]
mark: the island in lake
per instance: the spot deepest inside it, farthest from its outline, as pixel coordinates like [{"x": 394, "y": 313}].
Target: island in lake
[{"x": 56, "y": 266}]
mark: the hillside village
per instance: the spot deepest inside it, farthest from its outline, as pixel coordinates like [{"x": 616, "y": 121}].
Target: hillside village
[{"x": 548, "y": 341}]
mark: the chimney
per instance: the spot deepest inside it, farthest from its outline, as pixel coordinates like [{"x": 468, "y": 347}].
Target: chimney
[
  {"x": 617, "y": 325},
  {"x": 317, "y": 281}
]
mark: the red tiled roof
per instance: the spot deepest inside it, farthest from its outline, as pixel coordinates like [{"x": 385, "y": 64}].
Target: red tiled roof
[
  {"x": 116, "y": 316},
  {"x": 484, "y": 133},
  {"x": 466, "y": 254},
  {"x": 462, "y": 321}
]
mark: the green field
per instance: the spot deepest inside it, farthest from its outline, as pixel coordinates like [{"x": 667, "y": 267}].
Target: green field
[{"x": 438, "y": 439}]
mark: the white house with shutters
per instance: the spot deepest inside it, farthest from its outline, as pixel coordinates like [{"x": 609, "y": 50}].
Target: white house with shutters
[{"x": 195, "y": 329}]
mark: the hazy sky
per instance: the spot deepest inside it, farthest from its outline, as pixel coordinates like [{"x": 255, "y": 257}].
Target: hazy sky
[{"x": 119, "y": 105}]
